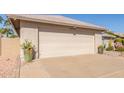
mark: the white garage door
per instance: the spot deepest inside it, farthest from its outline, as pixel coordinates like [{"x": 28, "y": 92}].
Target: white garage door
[{"x": 57, "y": 41}]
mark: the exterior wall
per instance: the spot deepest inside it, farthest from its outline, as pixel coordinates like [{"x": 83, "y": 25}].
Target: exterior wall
[
  {"x": 106, "y": 42},
  {"x": 98, "y": 40},
  {"x": 10, "y": 47},
  {"x": 43, "y": 35},
  {"x": 57, "y": 41},
  {"x": 29, "y": 31}
]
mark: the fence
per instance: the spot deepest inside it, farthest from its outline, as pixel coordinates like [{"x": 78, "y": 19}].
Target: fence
[{"x": 9, "y": 47}]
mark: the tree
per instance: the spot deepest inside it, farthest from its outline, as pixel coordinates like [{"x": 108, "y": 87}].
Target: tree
[
  {"x": 1, "y": 30},
  {"x": 1, "y": 20},
  {"x": 6, "y": 30}
]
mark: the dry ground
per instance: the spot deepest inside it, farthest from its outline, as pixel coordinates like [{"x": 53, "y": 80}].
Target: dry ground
[
  {"x": 8, "y": 67},
  {"x": 75, "y": 66}
]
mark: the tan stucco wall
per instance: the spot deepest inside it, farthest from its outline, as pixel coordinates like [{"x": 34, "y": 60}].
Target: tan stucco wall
[
  {"x": 106, "y": 42},
  {"x": 10, "y": 47},
  {"x": 98, "y": 40},
  {"x": 29, "y": 31}
]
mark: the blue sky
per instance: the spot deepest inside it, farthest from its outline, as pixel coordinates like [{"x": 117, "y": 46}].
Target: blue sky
[
  {"x": 4, "y": 18},
  {"x": 114, "y": 22}
]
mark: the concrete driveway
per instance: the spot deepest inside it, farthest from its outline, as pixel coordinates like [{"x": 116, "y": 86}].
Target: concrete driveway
[{"x": 75, "y": 66}]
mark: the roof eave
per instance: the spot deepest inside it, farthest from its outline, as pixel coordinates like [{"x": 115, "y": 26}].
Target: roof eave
[{"x": 56, "y": 23}]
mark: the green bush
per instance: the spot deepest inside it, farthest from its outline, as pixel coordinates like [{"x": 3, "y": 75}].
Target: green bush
[
  {"x": 119, "y": 40},
  {"x": 120, "y": 49},
  {"x": 28, "y": 51},
  {"x": 27, "y": 45},
  {"x": 122, "y": 41},
  {"x": 13, "y": 36},
  {"x": 100, "y": 49},
  {"x": 101, "y": 46},
  {"x": 110, "y": 47},
  {"x": 2, "y": 31}
]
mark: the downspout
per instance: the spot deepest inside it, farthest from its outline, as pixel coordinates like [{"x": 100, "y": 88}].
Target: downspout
[
  {"x": 95, "y": 51},
  {"x": 38, "y": 55}
]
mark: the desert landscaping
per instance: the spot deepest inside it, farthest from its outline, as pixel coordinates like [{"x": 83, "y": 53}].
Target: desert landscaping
[
  {"x": 33, "y": 48},
  {"x": 9, "y": 67}
]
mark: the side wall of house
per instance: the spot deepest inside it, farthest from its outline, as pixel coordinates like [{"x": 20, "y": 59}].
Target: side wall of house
[
  {"x": 98, "y": 40},
  {"x": 29, "y": 31},
  {"x": 107, "y": 40}
]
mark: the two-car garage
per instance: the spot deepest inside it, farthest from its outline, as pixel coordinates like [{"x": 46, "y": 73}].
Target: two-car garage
[
  {"x": 62, "y": 41},
  {"x": 55, "y": 36}
]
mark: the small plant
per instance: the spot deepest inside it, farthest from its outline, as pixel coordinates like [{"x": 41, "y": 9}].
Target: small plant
[
  {"x": 101, "y": 46},
  {"x": 100, "y": 49},
  {"x": 2, "y": 32},
  {"x": 120, "y": 49},
  {"x": 28, "y": 50},
  {"x": 110, "y": 47},
  {"x": 13, "y": 36},
  {"x": 118, "y": 40},
  {"x": 123, "y": 42}
]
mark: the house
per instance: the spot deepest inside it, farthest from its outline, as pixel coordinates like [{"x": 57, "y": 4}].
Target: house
[
  {"x": 119, "y": 35},
  {"x": 55, "y": 35},
  {"x": 107, "y": 38}
]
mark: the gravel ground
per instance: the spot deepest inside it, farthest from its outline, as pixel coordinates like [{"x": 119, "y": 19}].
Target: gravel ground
[
  {"x": 114, "y": 53},
  {"x": 9, "y": 67}
]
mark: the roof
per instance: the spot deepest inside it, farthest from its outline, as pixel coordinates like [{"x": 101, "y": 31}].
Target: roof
[
  {"x": 56, "y": 19},
  {"x": 108, "y": 35},
  {"x": 120, "y": 34}
]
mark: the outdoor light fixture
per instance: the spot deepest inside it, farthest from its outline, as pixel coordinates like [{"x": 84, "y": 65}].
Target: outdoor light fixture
[{"x": 73, "y": 27}]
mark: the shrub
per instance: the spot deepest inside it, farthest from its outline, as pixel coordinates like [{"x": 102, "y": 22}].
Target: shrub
[
  {"x": 110, "y": 47},
  {"x": 101, "y": 46},
  {"x": 28, "y": 51},
  {"x": 27, "y": 45},
  {"x": 2, "y": 31},
  {"x": 100, "y": 49},
  {"x": 118, "y": 40},
  {"x": 120, "y": 49},
  {"x": 123, "y": 42},
  {"x": 13, "y": 36}
]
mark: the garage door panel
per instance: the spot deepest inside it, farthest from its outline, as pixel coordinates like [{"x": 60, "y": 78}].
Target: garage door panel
[{"x": 53, "y": 44}]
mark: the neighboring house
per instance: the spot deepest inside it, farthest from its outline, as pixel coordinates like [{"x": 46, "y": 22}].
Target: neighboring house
[
  {"x": 120, "y": 35},
  {"x": 55, "y": 35},
  {"x": 107, "y": 38}
]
